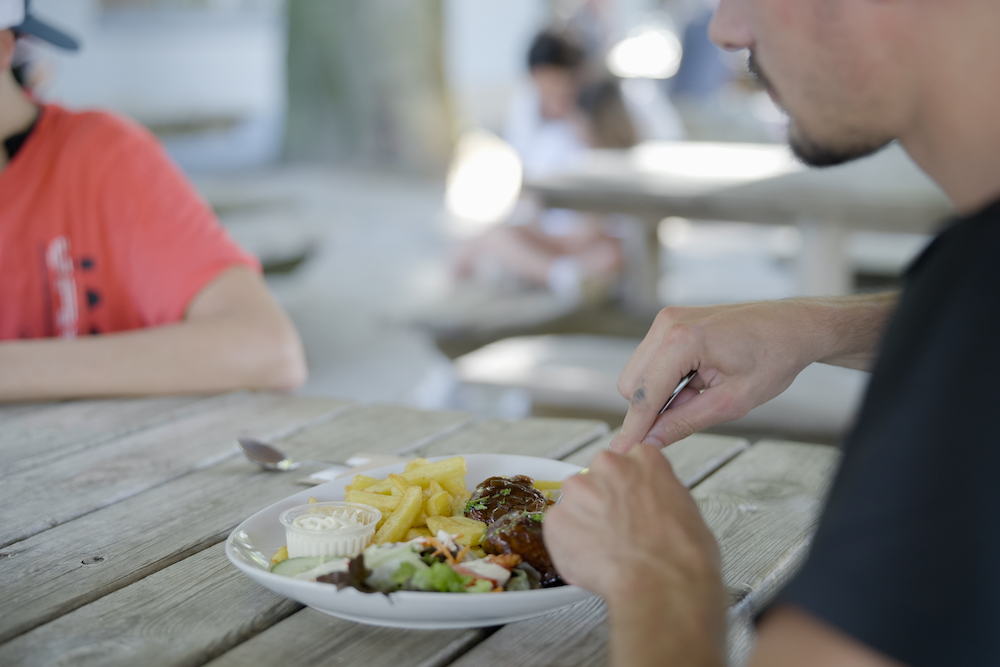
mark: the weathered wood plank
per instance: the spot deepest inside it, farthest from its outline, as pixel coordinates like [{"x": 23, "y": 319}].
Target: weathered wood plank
[
  {"x": 73, "y": 485},
  {"x": 762, "y": 507},
  {"x": 159, "y": 620},
  {"x": 12, "y": 410},
  {"x": 37, "y": 432},
  {"x": 364, "y": 431},
  {"x": 75, "y": 563},
  {"x": 324, "y": 641},
  {"x": 694, "y": 458},
  {"x": 552, "y": 438}
]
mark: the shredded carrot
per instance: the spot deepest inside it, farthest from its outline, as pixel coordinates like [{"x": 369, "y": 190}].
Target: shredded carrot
[
  {"x": 461, "y": 554},
  {"x": 498, "y": 589},
  {"x": 441, "y": 549}
]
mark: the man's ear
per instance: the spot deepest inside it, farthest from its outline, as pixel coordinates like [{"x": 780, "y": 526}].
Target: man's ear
[{"x": 7, "y": 40}]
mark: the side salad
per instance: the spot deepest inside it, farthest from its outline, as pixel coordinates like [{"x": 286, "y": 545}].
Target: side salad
[{"x": 436, "y": 564}]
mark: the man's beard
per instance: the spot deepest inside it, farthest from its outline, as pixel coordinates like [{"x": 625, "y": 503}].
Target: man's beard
[{"x": 810, "y": 152}]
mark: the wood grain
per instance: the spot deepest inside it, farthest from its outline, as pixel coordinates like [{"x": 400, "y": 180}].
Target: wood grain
[
  {"x": 551, "y": 438},
  {"x": 159, "y": 620},
  {"x": 762, "y": 506},
  {"x": 365, "y": 430},
  {"x": 324, "y": 641},
  {"x": 82, "y": 560},
  {"x": 70, "y": 486},
  {"x": 33, "y": 434},
  {"x": 694, "y": 458}
]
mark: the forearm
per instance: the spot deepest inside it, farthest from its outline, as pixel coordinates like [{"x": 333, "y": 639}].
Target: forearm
[
  {"x": 205, "y": 356},
  {"x": 847, "y": 330}
]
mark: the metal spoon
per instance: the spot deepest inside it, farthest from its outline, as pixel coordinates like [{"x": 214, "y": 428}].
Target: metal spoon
[{"x": 269, "y": 457}]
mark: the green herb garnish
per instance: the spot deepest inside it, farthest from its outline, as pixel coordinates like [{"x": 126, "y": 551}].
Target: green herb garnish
[{"x": 477, "y": 504}]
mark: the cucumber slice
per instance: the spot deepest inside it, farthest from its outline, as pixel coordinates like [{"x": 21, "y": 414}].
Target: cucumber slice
[{"x": 293, "y": 566}]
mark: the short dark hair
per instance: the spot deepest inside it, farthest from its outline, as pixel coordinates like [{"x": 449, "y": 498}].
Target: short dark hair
[{"x": 555, "y": 50}]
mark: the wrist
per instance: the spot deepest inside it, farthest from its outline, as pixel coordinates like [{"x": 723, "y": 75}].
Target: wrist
[
  {"x": 841, "y": 330},
  {"x": 659, "y": 619}
]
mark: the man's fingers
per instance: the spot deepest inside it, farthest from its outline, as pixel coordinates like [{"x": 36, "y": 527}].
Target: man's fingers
[
  {"x": 698, "y": 412},
  {"x": 637, "y": 364}
]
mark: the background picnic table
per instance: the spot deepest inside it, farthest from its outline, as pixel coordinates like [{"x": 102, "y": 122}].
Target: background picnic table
[{"x": 114, "y": 513}]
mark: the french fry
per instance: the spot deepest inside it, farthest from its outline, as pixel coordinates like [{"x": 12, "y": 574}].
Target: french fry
[
  {"x": 454, "y": 485},
  {"x": 395, "y": 527},
  {"x": 361, "y": 482},
  {"x": 546, "y": 485},
  {"x": 400, "y": 483},
  {"x": 280, "y": 555},
  {"x": 384, "y": 504},
  {"x": 470, "y": 531},
  {"x": 458, "y": 503},
  {"x": 439, "y": 504},
  {"x": 415, "y": 463},
  {"x": 417, "y": 532},
  {"x": 422, "y": 475},
  {"x": 421, "y": 519},
  {"x": 435, "y": 487}
]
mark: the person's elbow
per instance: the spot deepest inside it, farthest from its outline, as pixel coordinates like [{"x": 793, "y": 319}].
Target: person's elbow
[
  {"x": 274, "y": 358},
  {"x": 287, "y": 367}
]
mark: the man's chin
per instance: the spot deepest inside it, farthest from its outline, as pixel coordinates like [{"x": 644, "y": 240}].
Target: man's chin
[{"x": 816, "y": 154}]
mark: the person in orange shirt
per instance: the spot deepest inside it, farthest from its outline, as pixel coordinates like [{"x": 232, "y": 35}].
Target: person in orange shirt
[{"x": 115, "y": 277}]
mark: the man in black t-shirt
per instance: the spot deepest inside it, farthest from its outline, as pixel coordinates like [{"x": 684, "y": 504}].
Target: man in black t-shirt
[{"x": 902, "y": 567}]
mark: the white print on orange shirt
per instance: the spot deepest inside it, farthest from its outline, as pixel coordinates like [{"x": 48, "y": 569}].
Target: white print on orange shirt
[{"x": 60, "y": 266}]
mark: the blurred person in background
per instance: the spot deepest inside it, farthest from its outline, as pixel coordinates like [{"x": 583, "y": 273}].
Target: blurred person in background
[
  {"x": 552, "y": 123},
  {"x": 902, "y": 569},
  {"x": 115, "y": 277}
]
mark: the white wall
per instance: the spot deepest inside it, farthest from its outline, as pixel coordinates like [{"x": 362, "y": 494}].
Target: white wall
[
  {"x": 486, "y": 46},
  {"x": 179, "y": 66}
]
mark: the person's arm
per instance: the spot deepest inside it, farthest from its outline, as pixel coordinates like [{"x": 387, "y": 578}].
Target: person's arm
[
  {"x": 631, "y": 532},
  {"x": 745, "y": 355},
  {"x": 233, "y": 336}
]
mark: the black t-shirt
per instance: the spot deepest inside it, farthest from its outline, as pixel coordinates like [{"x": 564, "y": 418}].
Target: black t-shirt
[{"x": 907, "y": 555}]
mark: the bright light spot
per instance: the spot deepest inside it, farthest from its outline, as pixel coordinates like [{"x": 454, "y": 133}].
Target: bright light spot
[
  {"x": 674, "y": 232},
  {"x": 647, "y": 53},
  {"x": 715, "y": 162},
  {"x": 484, "y": 182}
]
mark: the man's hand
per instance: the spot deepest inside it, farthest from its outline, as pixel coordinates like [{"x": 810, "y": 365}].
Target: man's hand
[
  {"x": 629, "y": 531},
  {"x": 745, "y": 355}
]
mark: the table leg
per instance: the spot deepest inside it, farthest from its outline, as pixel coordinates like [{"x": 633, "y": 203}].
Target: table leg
[
  {"x": 642, "y": 267},
  {"x": 823, "y": 269}
]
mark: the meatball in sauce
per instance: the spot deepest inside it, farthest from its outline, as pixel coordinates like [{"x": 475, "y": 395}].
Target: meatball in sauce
[{"x": 497, "y": 496}]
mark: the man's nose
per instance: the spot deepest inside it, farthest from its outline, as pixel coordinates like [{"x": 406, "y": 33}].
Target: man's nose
[{"x": 730, "y": 26}]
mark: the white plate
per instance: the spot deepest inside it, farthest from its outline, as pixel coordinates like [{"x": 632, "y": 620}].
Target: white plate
[{"x": 262, "y": 534}]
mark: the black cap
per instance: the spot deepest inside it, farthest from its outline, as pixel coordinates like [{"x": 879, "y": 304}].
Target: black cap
[{"x": 35, "y": 28}]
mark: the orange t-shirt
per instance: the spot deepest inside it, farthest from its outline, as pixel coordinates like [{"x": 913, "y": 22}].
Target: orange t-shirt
[{"x": 100, "y": 232}]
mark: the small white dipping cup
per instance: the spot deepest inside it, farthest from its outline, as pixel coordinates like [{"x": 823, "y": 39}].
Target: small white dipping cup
[{"x": 345, "y": 541}]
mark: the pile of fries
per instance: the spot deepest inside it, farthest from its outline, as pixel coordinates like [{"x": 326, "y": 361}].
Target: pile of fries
[{"x": 425, "y": 498}]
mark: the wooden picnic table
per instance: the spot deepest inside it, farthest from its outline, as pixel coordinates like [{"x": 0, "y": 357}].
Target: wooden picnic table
[
  {"x": 113, "y": 516},
  {"x": 750, "y": 183}
]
